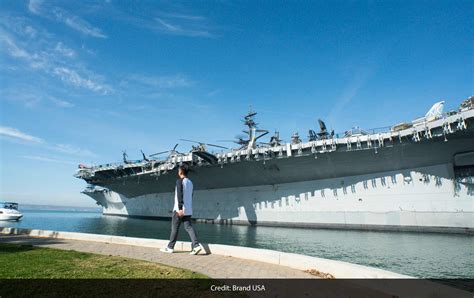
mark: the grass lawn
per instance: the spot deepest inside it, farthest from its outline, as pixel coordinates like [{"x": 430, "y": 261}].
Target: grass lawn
[
  {"x": 27, "y": 271},
  {"x": 24, "y": 261}
]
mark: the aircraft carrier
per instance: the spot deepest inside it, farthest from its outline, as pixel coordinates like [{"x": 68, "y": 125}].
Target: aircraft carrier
[{"x": 413, "y": 176}]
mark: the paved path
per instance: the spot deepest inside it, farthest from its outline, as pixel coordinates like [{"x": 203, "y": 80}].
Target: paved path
[{"x": 215, "y": 266}]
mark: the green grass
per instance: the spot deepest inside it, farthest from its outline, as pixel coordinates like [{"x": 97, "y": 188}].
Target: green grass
[
  {"x": 24, "y": 261},
  {"x": 28, "y": 271}
]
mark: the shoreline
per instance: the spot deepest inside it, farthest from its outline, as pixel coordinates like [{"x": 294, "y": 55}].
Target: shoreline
[
  {"x": 338, "y": 269},
  {"x": 230, "y": 263}
]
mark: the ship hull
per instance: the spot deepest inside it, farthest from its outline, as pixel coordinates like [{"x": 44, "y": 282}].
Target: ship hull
[
  {"x": 419, "y": 178},
  {"x": 417, "y": 199}
]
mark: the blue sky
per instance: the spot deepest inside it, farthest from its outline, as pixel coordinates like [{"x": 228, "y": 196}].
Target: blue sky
[{"x": 80, "y": 82}]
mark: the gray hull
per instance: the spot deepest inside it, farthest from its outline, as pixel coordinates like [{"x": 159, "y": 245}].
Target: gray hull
[
  {"x": 420, "y": 179},
  {"x": 409, "y": 200}
]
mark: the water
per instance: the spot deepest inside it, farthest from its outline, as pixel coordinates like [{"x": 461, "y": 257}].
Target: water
[{"x": 423, "y": 255}]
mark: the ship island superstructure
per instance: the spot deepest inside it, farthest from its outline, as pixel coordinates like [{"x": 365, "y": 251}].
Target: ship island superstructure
[{"x": 416, "y": 176}]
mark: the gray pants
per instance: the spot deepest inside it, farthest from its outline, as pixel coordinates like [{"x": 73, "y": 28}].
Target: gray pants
[{"x": 176, "y": 223}]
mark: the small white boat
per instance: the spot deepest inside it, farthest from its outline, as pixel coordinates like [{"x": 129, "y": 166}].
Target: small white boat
[{"x": 9, "y": 211}]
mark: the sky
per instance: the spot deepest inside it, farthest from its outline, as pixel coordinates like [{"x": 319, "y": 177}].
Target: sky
[{"x": 80, "y": 81}]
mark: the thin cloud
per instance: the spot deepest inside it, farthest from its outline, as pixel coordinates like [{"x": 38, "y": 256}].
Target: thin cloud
[
  {"x": 30, "y": 31},
  {"x": 34, "y": 6},
  {"x": 72, "y": 77},
  {"x": 64, "y": 50},
  {"x": 363, "y": 70},
  {"x": 213, "y": 92},
  {"x": 27, "y": 99},
  {"x": 19, "y": 25},
  {"x": 48, "y": 159},
  {"x": 182, "y": 16},
  {"x": 31, "y": 97},
  {"x": 350, "y": 92},
  {"x": 73, "y": 150},
  {"x": 166, "y": 26},
  {"x": 77, "y": 23},
  {"x": 61, "y": 103},
  {"x": 12, "y": 48},
  {"x": 171, "y": 23},
  {"x": 17, "y": 134},
  {"x": 68, "y": 149},
  {"x": 60, "y": 15},
  {"x": 53, "y": 65},
  {"x": 162, "y": 82}
]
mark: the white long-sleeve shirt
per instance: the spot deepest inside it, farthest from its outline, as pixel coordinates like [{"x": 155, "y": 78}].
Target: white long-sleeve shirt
[{"x": 187, "y": 196}]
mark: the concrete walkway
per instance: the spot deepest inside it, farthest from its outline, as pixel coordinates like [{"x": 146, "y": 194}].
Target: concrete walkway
[{"x": 214, "y": 266}]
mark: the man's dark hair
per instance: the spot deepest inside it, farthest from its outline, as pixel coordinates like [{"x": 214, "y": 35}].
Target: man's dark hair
[{"x": 184, "y": 169}]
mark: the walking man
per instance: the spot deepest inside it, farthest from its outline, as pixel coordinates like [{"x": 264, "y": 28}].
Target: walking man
[{"x": 182, "y": 212}]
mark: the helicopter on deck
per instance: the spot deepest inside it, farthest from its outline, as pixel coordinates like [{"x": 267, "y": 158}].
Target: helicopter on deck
[{"x": 201, "y": 146}]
